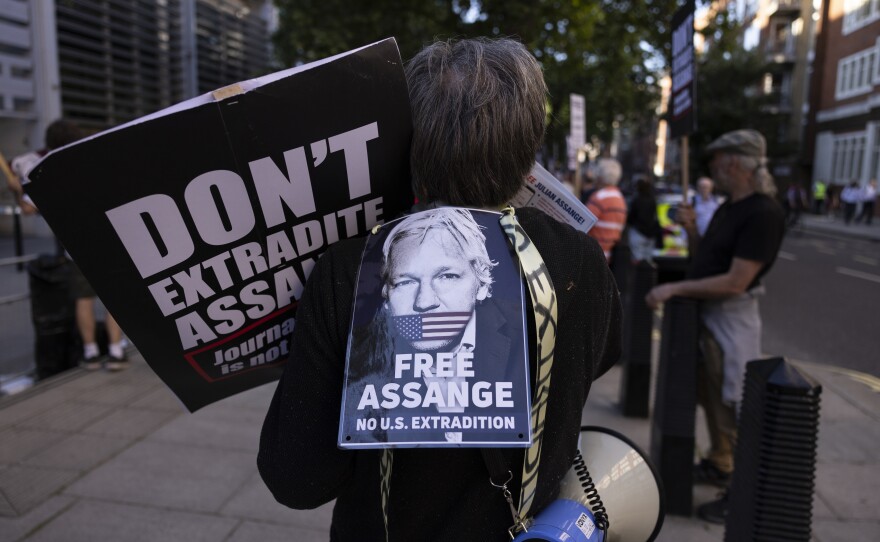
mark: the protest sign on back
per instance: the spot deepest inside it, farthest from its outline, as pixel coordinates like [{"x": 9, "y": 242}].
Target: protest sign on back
[{"x": 197, "y": 226}]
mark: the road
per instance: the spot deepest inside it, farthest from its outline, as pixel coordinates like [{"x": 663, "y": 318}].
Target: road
[{"x": 823, "y": 302}]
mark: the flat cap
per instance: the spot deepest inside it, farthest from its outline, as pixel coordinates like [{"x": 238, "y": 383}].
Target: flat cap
[{"x": 745, "y": 142}]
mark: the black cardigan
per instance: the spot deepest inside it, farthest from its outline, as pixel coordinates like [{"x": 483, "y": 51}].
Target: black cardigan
[{"x": 436, "y": 494}]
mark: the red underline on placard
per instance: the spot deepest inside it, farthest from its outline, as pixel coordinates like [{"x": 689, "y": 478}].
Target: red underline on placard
[{"x": 190, "y": 356}]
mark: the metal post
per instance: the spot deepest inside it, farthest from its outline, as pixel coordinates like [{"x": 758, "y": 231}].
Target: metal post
[
  {"x": 16, "y": 232},
  {"x": 672, "y": 427},
  {"x": 638, "y": 326}
]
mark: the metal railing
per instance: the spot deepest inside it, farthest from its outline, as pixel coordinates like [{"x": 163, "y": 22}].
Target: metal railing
[{"x": 16, "y": 329}]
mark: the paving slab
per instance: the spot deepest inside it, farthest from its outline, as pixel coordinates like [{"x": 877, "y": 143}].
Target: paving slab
[
  {"x": 256, "y": 398},
  {"x": 90, "y": 521},
  {"x": 118, "y": 393},
  {"x": 848, "y": 441},
  {"x": 160, "y": 398},
  {"x": 68, "y": 417},
  {"x": 219, "y": 426},
  {"x": 15, "y": 528},
  {"x": 78, "y": 452},
  {"x": 850, "y": 491},
  {"x": 25, "y": 487},
  {"x": 15, "y": 410},
  {"x": 680, "y": 529},
  {"x": 18, "y": 443},
  {"x": 264, "y": 532},
  {"x": 254, "y": 502},
  {"x": 130, "y": 423},
  {"x": 845, "y": 531},
  {"x": 159, "y": 474}
]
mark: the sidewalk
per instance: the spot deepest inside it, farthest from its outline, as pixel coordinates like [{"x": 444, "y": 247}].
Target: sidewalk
[
  {"x": 100, "y": 456},
  {"x": 836, "y": 226}
]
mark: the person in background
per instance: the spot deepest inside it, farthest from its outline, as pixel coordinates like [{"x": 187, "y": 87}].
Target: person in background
[
  {"x": 643, "y": 226},
  {"x": 867, "y": 196},
  {"x": 608, "y": 205},
  {"x": 704, "y": 203},
  {"x": 795, "y": 203},
  {"x": 850, "y": 199},
  {"x": 820, "y": 192},
  {"x": 738, "y": 249},
  {"x": 58, "y": 134}
]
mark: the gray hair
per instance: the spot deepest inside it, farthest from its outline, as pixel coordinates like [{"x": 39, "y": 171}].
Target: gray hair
[
  {"x": 762, "y": 180},
  {"x": 608, "y": 171},
  {"x": 459, "y": 224},
  {"x": 478, "y": 120}
]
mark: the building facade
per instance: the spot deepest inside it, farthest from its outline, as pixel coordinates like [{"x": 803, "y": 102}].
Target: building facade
[
  {"x": 845, "y": 121},
  {"x": 784, "y": 31},
  {"x": 101, "y": 63}
]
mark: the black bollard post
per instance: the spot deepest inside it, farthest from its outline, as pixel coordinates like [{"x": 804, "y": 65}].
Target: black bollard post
[
  {"x": 52, "y": 311},
  {"x": 771, "y": 492},
  {"x": 638, "y": 326},
  {"x": 672, "y": 427},
  {"x": 17, "y": 234},
  {"x": 622, "y": 268}
]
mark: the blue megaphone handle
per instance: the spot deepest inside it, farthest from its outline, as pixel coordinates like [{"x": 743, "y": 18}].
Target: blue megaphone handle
[{"x": 563, "y": 520}]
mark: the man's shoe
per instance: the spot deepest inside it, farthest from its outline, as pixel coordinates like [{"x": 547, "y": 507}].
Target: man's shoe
[
  {"x": 715, "y": 511},
  {"x": 117, "y": 364},
  {"x": 91, "y": 364},
  {"x": 705, "y": 472}
]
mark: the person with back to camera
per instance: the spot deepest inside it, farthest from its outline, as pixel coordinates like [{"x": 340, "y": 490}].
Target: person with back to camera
[
  {"x": 58, "y": 134},
  {"x": 478, "y": 116},
  {"x": 607, "y": 203},
  {"x": 643, "y": 227},
  {"x": 739, "y": 247}
]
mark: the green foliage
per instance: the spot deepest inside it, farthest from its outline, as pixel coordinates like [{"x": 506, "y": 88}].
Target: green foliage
[
  {"x": 729, "y": 95},
  {"x": 608, "y": 50},
  {"x": 314, "y": 29}
]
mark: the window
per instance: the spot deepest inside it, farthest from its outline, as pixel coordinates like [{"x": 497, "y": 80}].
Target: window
[
  {"x": 875, "y": 155},
  {"x": 856, "y": 74},
  {"x": 847, "y": 157},
  {"x": 859, "y": 13}
]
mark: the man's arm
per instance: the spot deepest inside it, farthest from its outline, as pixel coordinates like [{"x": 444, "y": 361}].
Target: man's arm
[{"x": 736, "y": 281}]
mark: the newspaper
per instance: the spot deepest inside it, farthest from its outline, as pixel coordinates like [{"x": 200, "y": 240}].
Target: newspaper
[{"x": 545, "y": 192}]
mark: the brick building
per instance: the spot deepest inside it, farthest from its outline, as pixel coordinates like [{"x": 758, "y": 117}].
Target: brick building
[{"x": 843, "y": 130}]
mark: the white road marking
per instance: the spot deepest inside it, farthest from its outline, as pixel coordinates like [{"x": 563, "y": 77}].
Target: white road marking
[
  {"x": 858, "y": 274},
  {"x": 783, "y": 255},
  {"x": 865, "y": 259},
  {"x": 828, "y": 251}
]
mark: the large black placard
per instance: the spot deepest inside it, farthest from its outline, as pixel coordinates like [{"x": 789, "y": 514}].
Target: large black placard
[{"x": 198, "y": 226}]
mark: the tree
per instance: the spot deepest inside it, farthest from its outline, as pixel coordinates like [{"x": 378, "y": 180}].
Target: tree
[
  {"x": 610, "y": 51},
  {"x": 313, "y": 29},
  {"x": 729, "y": 90}
]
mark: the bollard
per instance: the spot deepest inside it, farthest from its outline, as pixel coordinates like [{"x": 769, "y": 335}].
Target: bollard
[
  {"x": 672, "y": 426},
  {"x": 771, "y": 491},
  {"x": 52, "y": 311},
  {"x": 16, "y": 232},
  {"x": 638, "y": 326},
  {"x": 622, "y": 267}
]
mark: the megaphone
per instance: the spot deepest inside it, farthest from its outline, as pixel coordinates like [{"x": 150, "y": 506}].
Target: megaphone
[{"x": 611, "y": 480}]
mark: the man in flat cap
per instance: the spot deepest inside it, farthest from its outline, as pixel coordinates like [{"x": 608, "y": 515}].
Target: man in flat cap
[{"x": 738, "y": 248}]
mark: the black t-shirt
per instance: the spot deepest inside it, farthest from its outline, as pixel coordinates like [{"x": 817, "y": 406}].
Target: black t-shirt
[{"x": 750, "y": 228}]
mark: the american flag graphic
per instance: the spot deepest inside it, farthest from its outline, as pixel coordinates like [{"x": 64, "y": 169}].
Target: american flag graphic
[{"x": 434, "y": 325}]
